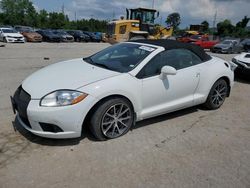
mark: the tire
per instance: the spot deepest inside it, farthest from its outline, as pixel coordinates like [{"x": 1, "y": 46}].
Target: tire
[
  {"x": 217, "y": 95},
  {"x": 112, "y": 119},
  {"x": 4, "y": 40},
  {"x": 230, "y": 51}
]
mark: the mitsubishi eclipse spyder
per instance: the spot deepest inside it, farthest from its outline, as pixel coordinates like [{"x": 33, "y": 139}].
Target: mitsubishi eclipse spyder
[{"x": 113, "y": 89}]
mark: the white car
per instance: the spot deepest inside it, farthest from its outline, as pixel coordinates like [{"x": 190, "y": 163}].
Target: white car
[
  {"x": 11, "y": 35},
  {"x": 243, "y": 62},
  {"x": 118, "y": 86}
]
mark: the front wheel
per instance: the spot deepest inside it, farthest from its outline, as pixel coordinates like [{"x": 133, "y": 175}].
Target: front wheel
[
  {"x": 217, "y": 95},
  {"x": 112, "y": 118},
  {"x": 5, "y": 40}
]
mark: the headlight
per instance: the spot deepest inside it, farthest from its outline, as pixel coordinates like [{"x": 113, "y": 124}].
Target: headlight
[
  {"x": 62, "y": 98},
  {"x": 234, "y": 60}
]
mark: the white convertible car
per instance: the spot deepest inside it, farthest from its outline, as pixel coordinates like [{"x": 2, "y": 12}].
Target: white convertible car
[{"x": 114, "y": 88}]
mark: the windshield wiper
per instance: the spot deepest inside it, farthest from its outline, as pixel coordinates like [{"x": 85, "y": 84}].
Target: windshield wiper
[
  {"x": 90, "y": 61},
  {"x": 101, "y": 65}
]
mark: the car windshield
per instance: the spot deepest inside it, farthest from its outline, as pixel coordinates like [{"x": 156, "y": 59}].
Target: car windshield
[
  {"x": 195, "y": 37},
  {"x": 48, "y": 32},
  {"x": 245, "y": 41},
  {"x": 61, "y": 32},
  {"x": 226, "y": 42},
  {"x": 25, "y": 29},
  {"x": 79, "y": 32},
  {"x": 121, "y": 57},
  {"x": 9, "y": 31}
]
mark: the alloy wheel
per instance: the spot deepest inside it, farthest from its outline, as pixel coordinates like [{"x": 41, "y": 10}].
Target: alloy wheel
[
  {"x": 219, "y": 94},
  {"x": 116, "y": 120}
]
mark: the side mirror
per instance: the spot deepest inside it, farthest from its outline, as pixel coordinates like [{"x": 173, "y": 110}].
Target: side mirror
[{"x": 167, "y": 70}]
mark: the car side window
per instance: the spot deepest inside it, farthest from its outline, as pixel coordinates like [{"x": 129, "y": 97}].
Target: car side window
[{"x": 177, "y": 58}]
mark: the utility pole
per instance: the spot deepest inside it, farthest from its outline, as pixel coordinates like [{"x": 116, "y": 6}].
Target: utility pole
[
  {"x": 113, "y": 15},
  {"x": 63, "y": 8},
  {"x": 153, "y": 4},
  {"x": 75, "y": 15},
  {"x": 214, "y": 22}
]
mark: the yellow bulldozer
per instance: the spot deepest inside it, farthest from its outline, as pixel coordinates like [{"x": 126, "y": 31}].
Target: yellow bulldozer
[{"x": 139, "y": 24}]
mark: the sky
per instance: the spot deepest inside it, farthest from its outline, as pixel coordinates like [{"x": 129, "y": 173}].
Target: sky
[{"x": 191, "y": 11}]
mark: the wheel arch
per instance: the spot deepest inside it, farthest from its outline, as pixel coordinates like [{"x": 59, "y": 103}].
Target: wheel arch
[{"x": 102, "y": 100}]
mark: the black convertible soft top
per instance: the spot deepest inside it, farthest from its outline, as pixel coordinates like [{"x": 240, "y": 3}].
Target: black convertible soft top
[{"x": 173, "y": 44}]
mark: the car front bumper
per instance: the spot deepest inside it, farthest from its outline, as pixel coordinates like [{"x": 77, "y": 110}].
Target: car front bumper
[
  {"x": 15, "y": 40},
  {"x": 242, "y": 68},
  {"x": 34, "y": 39},
  {"x": 220, "y": 50},
  {"x": 53, "y": 122}
]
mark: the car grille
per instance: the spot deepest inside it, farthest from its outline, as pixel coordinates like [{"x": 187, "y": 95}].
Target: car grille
[
  {"x": 69, "y": 38},
  {"x": 18, "y": 37},
  {"x": 217, "y": 48},
  {"x": 22, "y": 99}
]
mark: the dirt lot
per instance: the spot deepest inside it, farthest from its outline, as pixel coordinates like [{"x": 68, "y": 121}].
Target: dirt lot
[{"x": 189, "y": 148}]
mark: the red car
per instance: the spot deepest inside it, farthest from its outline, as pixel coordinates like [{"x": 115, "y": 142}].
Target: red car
[{"x": 205, "y": 43}]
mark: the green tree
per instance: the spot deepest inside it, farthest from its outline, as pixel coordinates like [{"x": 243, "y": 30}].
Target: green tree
[
  {"x": 225, "y": 28},
  {"x": 43, "y": 18},
  {"x": 243, "y": 23},
  {"x": 18, "y": 12},
  {"x": 57, "y": 20},
  {"x": 174, "y": 20},
  {"x": 205, "y": 26}
]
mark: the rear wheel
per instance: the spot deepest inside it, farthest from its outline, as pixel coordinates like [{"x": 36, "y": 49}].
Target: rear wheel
[
  {"x": 112, "y": 118},
  {"x": 217, "y": 95}
]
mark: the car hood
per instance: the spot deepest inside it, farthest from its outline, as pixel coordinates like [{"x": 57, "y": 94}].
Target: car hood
[
  {"x": 244, "y": 57},
  {"x": 32, "y": 35},
  {"x": 222, "y": 45},
  {"x": 66, "y": 36},
  {"x": 71, "y": 75},
  {"x": 52, "y": 35},
  {"x": 13, "y": 34}
]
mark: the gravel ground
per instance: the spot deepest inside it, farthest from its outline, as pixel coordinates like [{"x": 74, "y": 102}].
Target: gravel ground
[{"x": 188, "y": 148}]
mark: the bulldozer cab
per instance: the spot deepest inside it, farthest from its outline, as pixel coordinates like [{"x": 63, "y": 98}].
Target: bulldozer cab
[
  {"x": 139, "y": 24},
  {"x": 146, "y": 18}
]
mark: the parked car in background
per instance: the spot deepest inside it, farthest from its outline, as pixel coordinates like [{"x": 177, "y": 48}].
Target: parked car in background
[
  {"x": 243, "y": 62},
  {"x": 79, "y": 36},
  {"x": 93, "y": 36},
  {"x": 122, "y": 84},
  {"x": 228, "y": 46},
  {"x": 246, "y": 44},
  {"x": 65, "y": 37},
  {"x": 205, "y": 42},
  {"x": 189, "y": 39},
  {"x": 29, "y": 34},
  {"x": 11, "y": 35},
  {"x": 98, "y": 35},
  {"x": 49, "y": 36}
]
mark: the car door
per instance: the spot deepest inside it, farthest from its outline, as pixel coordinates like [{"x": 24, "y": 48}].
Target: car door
[{"x": 176, "y": 91}]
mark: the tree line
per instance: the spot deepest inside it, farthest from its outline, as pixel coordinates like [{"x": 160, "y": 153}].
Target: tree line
[
  {"x": 23, "y": 12},
  {"x": 224, "y": 28}
]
